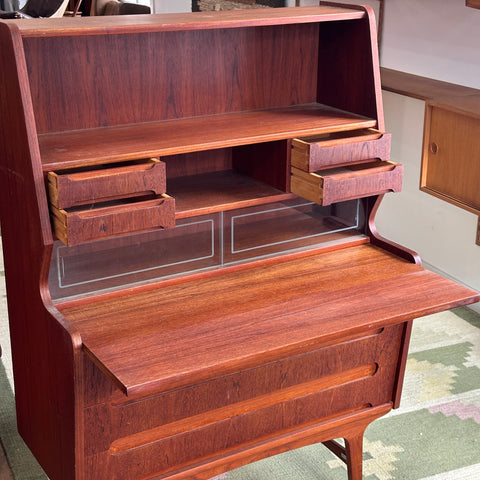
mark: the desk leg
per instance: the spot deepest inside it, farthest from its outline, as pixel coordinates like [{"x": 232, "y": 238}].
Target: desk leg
[
  {"x": 354, "y": 457},
  {"x": 351, "y": 454}
]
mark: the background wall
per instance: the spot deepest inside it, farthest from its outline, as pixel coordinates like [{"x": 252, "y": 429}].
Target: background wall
[
  {"x": 171, "y": 6},
  {"x": 434, "y": 38}
]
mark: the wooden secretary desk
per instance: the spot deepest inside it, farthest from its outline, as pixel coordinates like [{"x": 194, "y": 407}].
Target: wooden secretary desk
[{"x": 194, "y": 276}]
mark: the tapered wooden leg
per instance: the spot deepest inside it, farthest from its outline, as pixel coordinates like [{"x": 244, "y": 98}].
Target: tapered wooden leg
[
  {"x": 351, "y": 454},
  {"x": 354, "y": 457}
]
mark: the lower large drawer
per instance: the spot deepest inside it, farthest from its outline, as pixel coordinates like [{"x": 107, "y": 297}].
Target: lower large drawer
[
  {"x": 149, "y": 436},
  {"x": 345, "y": 183}
]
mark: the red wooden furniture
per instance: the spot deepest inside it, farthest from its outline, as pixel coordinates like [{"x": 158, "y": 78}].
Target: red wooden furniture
[{"x": 194, "y": 276}]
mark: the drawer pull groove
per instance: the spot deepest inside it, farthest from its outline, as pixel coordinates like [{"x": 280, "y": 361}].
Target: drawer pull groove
[{"x": 204, "y": 420}]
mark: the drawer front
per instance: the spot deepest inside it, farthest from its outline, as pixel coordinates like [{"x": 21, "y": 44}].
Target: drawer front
[
  {"x": 314, "y": 153},
  {"x": 70, "y": 188},
  {"x": 135, "y": 438},
  {"x": 355, "y": 181},
  {"x": 84, "y": 225}
]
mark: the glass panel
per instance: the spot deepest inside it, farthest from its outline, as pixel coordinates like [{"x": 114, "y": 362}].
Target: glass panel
[
  {"x": 198, "y": 243},
  {"x": 282, "y": 226},
  {"x": 95, "y": 266}
]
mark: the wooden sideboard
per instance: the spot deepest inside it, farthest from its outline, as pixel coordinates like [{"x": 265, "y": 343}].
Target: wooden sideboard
[
  {"x": 194, "y": 276},
  {"x": 451, "y": 145}
]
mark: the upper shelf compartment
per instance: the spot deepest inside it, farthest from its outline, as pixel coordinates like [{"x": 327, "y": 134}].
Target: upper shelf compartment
[{"x": 164, "y": 86}]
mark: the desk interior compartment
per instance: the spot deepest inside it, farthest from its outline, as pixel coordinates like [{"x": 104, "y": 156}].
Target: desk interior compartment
[
  {"x": 341, "y": 148},
  {"x": 345, "y": 183}
]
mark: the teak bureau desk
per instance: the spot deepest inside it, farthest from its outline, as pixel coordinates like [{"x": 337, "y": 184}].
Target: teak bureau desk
[{"x": 193, "y": 272}]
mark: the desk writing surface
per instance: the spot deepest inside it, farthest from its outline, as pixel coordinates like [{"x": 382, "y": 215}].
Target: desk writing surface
[{"x": 166, "y": 338}]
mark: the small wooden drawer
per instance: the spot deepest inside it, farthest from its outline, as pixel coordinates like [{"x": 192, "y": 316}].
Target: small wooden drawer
[
  {"x": 346, "y": 183},
  {"x": 123, "y": 217},
  {"x": 314, "y": 153},
  {"x": 70, "y": 188}
]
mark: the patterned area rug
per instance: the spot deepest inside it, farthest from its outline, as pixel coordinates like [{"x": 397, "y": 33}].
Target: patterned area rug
[{"x": 435, "y": 435}]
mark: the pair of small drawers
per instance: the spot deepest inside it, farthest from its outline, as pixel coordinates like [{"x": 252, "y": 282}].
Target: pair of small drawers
[
  {"x": 343, "y": 166},
  {"x": 92, "y": 204}
]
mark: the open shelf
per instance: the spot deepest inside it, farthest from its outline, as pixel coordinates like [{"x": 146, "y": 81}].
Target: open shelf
[
  {"x": 129, "y": 142},
  {"x": 220, "y": 191}
]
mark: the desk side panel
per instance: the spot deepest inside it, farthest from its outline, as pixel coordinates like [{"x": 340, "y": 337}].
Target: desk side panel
[
  {"x": 348, "y": 67},
  {"x": 43, "y": 344}
]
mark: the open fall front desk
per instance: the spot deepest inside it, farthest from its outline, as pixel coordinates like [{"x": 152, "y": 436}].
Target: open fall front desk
[{"x": 194, "y": 276}]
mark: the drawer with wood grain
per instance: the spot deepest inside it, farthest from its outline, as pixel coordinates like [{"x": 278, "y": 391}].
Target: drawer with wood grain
[
  {"x": 341, "y": 148},
  {"x": 78, "y": 187},
  {"x": 345, "y": 183},
  {"x": 111, "y": 219},
  {"x": 240, "y": 409}
]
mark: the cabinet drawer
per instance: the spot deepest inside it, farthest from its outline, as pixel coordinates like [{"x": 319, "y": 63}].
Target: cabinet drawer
[
  {"x": 71, "y": 188},
  {"x": 345, "y": 183},
  {"x": 313, "y": 153},
  {"x": 117, "y": 218},
  {"x": 156, "y": 434},
  {"x": 366, "y": 361}
]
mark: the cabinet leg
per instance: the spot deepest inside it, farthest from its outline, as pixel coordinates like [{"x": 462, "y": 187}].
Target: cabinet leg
[
  {"x": 354, "y": 457},
  {"x": 351, "y": 454}
]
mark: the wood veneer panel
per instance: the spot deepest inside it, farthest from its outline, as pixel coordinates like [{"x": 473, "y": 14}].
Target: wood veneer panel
[
  {"x": 286, "y": 309},
  {"x": 45, "y": 348},
  {"x": 450, "y": 167},
  {"x": 347, "y": 51},
  {"x": 121, "y": 78}
]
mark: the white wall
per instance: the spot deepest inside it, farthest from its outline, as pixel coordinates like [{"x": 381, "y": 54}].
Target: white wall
[
  {"x": 171, "y": 6},
  {"x": 433, "y": 38}
]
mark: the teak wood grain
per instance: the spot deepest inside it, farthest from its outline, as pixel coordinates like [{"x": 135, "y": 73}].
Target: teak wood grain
[
  {"x": 353, "y": 181},
  {"x": 288, "y": 307},
  {"x": 473, "y": 3},
  {"x": 314, "y": 153},
  {"x": 450, "y": 167},
  {"x": 70, "y": 188},
  {"x": 187, "y": 374}
]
